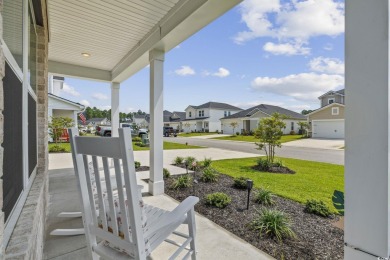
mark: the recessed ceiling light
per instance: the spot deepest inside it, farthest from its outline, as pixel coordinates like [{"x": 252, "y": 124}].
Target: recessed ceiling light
[{"x": 86, "y": 54}]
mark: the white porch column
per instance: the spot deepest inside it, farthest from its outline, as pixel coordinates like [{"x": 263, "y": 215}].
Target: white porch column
[
  {"x": 114, "y": 108},
  {"x": 367, "y": 157},
  {"x": 75, "y": 118},
  {"x": 156, "y": 182}
]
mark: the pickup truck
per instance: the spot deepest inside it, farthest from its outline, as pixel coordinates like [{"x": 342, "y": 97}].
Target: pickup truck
[
  {"x": 168, "y": 131},
  {"x": 106, "y": 130}
]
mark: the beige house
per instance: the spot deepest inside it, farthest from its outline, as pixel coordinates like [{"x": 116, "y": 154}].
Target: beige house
[{"x": 328, "y": 121}]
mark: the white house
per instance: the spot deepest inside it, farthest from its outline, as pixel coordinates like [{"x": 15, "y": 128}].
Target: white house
[
  {"x": 61, "y": 107},
  {"x": 248, "y": 120},
  {"x": 206, "y": 116},
  {"x": 142, "y": 121}
]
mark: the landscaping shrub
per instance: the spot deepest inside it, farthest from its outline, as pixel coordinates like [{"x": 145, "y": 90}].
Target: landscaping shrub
[
  {"x": 218, "y": 199},
  {"x": 277, "y": 163},
  {"x": 237, "y": 133},
  {"x": 240, "y": 183},
  {"x": 274, "y": 223},
  {"x": 137, "y": 164},
  {"x": 292, "y": 133},
  {"x": 137, "y": 139},
  {"x": 206, "y": 162},
  {"x": 182, "y": 182},
  {"x": 263, "y": 164},
  {"x": 140, "y": 144},
  {"x": 178, "y": 160},
  {"x": 57, "y": 149},
  {"x": 166, "y": 173},
  {"x": 209, "y": 175},
  {"x": 264, "y": 196},
  {"x": 190, "y": 161},
  {"x": 317, "y": 207}
]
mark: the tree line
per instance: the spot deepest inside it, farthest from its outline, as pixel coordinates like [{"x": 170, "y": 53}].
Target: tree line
[{"x": 94, "y": 112}]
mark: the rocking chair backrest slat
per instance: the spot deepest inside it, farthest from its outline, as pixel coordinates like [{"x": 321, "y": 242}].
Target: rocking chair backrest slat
[
  {"x": 112, "y": 211},
  {"x": 90, "y": 191},
  {"x": 123, "y": 207},
  {"x": 131, "y": 191},
  {"x": 102, "y": 208},
  {"x": 124, "y": 215}
]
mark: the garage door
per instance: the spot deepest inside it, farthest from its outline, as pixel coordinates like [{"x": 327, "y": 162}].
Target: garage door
[{"x": 328, "y": 129}]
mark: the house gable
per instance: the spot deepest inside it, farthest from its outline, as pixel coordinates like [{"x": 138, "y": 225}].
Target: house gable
[{"x": 326, "y": 113}]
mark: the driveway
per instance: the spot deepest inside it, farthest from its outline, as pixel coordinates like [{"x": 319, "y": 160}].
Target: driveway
[{"x": 317, "y": 143}]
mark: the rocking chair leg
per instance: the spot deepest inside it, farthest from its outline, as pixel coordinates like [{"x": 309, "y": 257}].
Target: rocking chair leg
[{"x": 192, "y": 231}]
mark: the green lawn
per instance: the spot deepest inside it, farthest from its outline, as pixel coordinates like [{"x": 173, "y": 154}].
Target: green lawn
[
  {"x": 312, "y": 180},
  {"x": 195, "y": 134},
  {"x": 167, "y": 146},
  {"x": 251, "y": 138}
]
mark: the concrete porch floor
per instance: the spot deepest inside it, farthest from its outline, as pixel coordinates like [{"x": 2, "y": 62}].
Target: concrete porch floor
[{"x": 213, "y": 241}]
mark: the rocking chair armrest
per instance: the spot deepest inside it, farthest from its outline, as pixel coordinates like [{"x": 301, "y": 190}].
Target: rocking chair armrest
[{"x": 175, "y": 216}]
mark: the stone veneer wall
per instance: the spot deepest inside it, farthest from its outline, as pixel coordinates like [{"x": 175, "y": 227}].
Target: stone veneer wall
[{"x": 27, "y": 239}]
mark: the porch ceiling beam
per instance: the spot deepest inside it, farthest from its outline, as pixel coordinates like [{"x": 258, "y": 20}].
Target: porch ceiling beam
[
  {"x": 185, "y": 19},
  {"x": 75, "y": 71}
]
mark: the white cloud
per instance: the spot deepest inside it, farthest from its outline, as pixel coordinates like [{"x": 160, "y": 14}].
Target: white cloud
[
  {"x": 303, "y": 87},
  {"x": 70, "y": 90},
  {"x": 85, "y": 103},
  {"x": 295, "y": 22},
  {"x": 254, "y": 13},
  {"x": 286, "y": 49},
  {"x": 99, "y": 96},
  {"x": 106, "y": 107},
  {"x": 327, "y": 65},
  {"x": 185, "y": 71},
  {"x": 222, "y": 72}
]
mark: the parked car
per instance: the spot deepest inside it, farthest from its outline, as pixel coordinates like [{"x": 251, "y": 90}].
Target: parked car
[
  {"x": 106, "y": 130},
  {"x": 168, "y": 131}
]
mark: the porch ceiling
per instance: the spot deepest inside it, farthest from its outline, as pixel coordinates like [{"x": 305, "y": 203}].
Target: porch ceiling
[{"x": 119, "y": 34}]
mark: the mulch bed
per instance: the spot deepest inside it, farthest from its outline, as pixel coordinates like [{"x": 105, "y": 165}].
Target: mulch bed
[
  {"x": 274, "y": 169},
  {"x": 142, "y": 168},
  {"x": 317, "y": 238}
]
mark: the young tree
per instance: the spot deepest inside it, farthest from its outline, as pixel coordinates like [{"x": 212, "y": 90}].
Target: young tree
[
  {"x": 57, "y": 126},
  {"x": 234, "y": 126},
  {"x": 304, "y": 126},
  {"x": 269, "y": 132}
]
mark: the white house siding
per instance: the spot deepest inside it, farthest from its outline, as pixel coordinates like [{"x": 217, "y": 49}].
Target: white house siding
[
  {"x": 288, "y": 122},
  {"x": 227, "y": 129}
]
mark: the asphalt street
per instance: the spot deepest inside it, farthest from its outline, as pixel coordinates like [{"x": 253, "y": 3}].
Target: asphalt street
[{"x": 335, "y": 156}]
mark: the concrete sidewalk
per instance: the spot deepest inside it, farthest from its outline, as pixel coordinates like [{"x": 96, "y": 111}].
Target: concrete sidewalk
[
  {"x": 213, "y": 241},
  {"x": 64, "y": 160}
]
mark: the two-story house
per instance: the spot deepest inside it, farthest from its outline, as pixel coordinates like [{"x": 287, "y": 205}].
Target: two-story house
[
  {"x": 174, "y": 119},
  {"x": 328, "y": 121},
  {"x": 205, "y": 118},
  {"x": 248, "y": 120}
]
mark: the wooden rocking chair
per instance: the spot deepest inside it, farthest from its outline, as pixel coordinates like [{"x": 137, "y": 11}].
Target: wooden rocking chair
[{"x": 114, "y": 213}]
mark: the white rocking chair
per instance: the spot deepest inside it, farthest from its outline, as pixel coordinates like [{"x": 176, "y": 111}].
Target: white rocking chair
[{"x": 116, "y": 216}]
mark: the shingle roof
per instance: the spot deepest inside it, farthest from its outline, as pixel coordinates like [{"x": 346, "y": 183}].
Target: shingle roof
[
  {"x": 139, "y": 116},
  {"x": 217, "y": 105},
  {"x": 168, "y": 116},
  {"x": 67, "y": 100},
  {"x": 340, "y": 92},
  {"x": 267, "y": 109}
]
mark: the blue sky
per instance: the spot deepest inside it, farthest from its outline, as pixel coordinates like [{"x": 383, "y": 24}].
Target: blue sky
[{"x": 278, "y": 52}]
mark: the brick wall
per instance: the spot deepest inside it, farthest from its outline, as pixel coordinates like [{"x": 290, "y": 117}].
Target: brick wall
[{"x": 28, "y": 236}]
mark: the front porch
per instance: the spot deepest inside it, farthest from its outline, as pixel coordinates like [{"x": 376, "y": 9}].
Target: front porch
[{"x": 213, "y": 241}]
